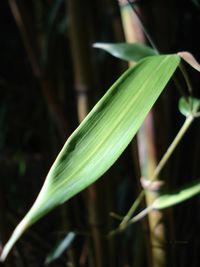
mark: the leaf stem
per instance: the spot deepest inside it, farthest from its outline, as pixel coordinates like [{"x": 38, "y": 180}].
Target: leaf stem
[
  {"x": 126, "y": 220},
  {"x": 150, "y": 40},
  {"x": 140, "y": 215},
  {"x": 153, "y": 45},
  {"x": 186, "y": 77},
  {"x": 132, "y": 210},
  {"x": 173, "y": 145}
]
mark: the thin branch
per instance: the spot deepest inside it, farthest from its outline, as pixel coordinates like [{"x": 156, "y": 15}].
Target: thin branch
[
  {"x": 143, "y": 27},
  {"x": 125, "y": 222}
]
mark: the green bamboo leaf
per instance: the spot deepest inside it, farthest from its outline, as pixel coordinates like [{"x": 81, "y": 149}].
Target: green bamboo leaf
[
  {"x": 60, "y": 248},
  {"x": 127, "y": 51},
  {"x": 189, "y": 106},
  {"x": 168, "y": 200},
  {"x": 101, "y": 138}
]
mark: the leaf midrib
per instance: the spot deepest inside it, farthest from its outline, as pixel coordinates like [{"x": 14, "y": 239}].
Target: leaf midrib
[{"x": 109, "y": 134}]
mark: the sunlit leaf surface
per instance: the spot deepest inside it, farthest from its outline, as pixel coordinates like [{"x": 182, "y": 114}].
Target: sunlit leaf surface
[{"x": 101, "y": 138}]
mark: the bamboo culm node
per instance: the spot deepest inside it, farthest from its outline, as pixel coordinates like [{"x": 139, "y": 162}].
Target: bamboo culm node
[{"x": 152, "y": 181}]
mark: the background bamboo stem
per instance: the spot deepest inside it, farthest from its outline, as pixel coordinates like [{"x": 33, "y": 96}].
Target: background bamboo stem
[
  {"x": 20, "y": 15},
  {"x": 148, "y": 162},
  {"x": 33, "y": 50},
  {"x": 134, "y": 33},
  {"x": 84, "y": 83}
]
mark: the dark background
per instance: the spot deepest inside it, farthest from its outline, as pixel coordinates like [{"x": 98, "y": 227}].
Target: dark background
[{"x": 45, "y": 73}]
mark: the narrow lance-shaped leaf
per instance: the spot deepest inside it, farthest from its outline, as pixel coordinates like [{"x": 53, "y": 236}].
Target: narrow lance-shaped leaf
[
  {"x": 168, "y": 200},
  {"x": 101, "y": 137},
  {"x": 60, "y": 248},
  {"x": 127, "y": 51}
]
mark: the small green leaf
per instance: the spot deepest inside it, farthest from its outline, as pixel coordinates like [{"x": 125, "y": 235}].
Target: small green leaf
[
  {"x": 189, "y": 106},
  {"x": 101, "y": 138},
  {"x": 60, "y": 248},
  {"x": 168, "y": 200},
  {"x": 127, "y": 51}
]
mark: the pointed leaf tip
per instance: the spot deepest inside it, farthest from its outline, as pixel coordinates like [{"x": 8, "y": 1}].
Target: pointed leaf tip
[
  {"x": 190, "y": 59},
  {"x": 19, "y": 230}
]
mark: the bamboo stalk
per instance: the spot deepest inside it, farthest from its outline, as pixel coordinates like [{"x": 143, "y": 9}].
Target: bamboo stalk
[
  {"x": 147, "y": 157},
  {"x": 33, "y": 49},
  {"x": 134, "y": 33},
  {"x": 155, "y": 218},
  {"x": 156, "y": 16},
  {"x": 20, "y": 12},
  {"x": 84, "y": 82}
]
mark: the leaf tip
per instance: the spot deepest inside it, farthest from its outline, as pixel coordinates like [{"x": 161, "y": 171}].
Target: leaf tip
[
  {"x": 20, "y": 229},
  {"x": 100, "y": 45},
  {"x": 190, "y": 59}
]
